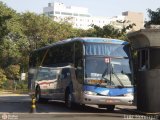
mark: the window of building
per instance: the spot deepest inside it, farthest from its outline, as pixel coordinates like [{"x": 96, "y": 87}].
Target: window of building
[
  {"x": 66, "y": 13},
  {"x": 51, "y": 12},
  {"x": 143, "y": 59},
  {"x": 57, "y": 12},
  {"x": 75, "y": 14},
  {"x": 84, "y": 15},
  {"x": 154, "y": 58}
]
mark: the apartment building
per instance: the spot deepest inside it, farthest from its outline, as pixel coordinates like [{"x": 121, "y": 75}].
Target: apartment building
[{"x": 79, "y": 17}]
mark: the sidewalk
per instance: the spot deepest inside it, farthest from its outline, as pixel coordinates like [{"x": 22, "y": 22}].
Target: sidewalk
[
  {"x": 133, "y": 110},
  {"x": 10, "y": 93},
  {"x": 5, "y": 92},
  {"x": 126, "y": 107}
]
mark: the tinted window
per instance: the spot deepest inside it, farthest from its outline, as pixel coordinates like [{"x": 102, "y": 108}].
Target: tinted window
[{"x": 60, "y": 54}]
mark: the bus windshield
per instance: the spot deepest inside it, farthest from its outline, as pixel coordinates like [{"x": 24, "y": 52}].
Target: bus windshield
[
  {"x": 47, "y": 74},
  {"x": 107, "y": 64},
  {"x": 114, "y": 72}
]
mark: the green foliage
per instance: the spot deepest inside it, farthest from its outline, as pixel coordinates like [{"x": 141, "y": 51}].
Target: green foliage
[
  {"x": 154, "y": 17},
  {"x": 41, "y": 30},
  {"x": 21, "y": 85},
  {"x": 9, "y": 25},
  {"x": 109, "y": 31},
  {"x": 10, "y": 34},
  {"x": 3, "y": 78},
  {"x": 13, "y": 72},
  {"x": 15, "y": 85}
]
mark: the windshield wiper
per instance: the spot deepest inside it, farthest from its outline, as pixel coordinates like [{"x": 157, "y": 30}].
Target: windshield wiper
[
  {"x": 110, "y": 73},
  {"x": 104, "y": 73},
  {"x": 119, "y": 80}
]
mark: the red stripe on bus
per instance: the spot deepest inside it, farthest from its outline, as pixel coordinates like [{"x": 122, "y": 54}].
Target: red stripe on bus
[{"x": 45, "y": 83}]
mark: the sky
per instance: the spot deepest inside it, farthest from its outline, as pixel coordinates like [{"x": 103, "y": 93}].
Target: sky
[{"x": 106, "y": 8}]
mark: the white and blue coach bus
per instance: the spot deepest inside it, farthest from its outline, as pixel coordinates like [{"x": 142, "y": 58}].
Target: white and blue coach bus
[{"x": 96, "y": 71}]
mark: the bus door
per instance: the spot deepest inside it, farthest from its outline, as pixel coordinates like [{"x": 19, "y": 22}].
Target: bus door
[
  {"x": 64, "y": 81},
  {"x": 53, "y": 82}
]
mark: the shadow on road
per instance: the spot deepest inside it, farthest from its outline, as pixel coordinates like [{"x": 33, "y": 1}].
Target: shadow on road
[
  {"x": 59, "y": 107},
  {"x": 15, "y": 103},
  {"x": 56, "y": 109},
  {"x": 22, "y": 104}
]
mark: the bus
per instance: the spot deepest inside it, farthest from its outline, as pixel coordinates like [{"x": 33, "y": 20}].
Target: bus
[{"x": 99, "y": 72}]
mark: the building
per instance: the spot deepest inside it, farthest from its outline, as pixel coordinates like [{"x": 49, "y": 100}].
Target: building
[
  {"x": 134, "y": 17},
  {"x": 79, "y": 17}
]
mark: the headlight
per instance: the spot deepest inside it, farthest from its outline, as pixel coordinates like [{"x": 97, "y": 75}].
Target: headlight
[
  {"x": 128, "y": 94},
  {"x": 90, "y": 93}
]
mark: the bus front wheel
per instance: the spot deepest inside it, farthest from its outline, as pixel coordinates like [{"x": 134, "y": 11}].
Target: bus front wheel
[
  {"x": 110, "y": 107},
  {"x": 38, "y": 96}
]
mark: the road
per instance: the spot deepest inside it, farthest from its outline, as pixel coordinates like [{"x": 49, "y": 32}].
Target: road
[{"x": 18, "y": 107}]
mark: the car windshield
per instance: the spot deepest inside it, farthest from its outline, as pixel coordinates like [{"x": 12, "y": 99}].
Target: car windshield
[{"x": 108, "y": 71}]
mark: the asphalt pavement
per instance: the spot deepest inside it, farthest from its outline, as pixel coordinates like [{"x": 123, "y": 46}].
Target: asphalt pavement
[{"x": 18, "y": 107}]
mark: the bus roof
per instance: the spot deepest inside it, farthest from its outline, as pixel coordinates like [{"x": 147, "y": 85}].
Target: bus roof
[
  {"x": 68, "y": 66},
  {"x": 88, "y": 40}
]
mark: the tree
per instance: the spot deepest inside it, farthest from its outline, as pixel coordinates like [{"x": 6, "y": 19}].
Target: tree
[
  {"x": 3, "y": 78},
  {"x": 13, "y": 72},
  {"x": 11, "y": 34},
  {"x": 42, "y": 30},
  {"x": 9, "y": 25},
  {"x": 107, "y": 31},
  {"x": 154, "y": 17}
]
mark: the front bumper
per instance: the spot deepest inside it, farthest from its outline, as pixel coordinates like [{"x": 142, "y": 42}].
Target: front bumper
[{"x": 106, "y": 100}]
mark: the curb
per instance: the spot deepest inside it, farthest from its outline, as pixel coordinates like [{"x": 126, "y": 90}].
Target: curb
[
  {"x": 12, "y": 94},
  {"x": 136, "y": 113}
]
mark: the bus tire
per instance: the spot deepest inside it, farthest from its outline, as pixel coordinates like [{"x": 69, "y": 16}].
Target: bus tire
[
  {"x": 68, "y": 100},
  {"x": 110, "y": 107}
]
